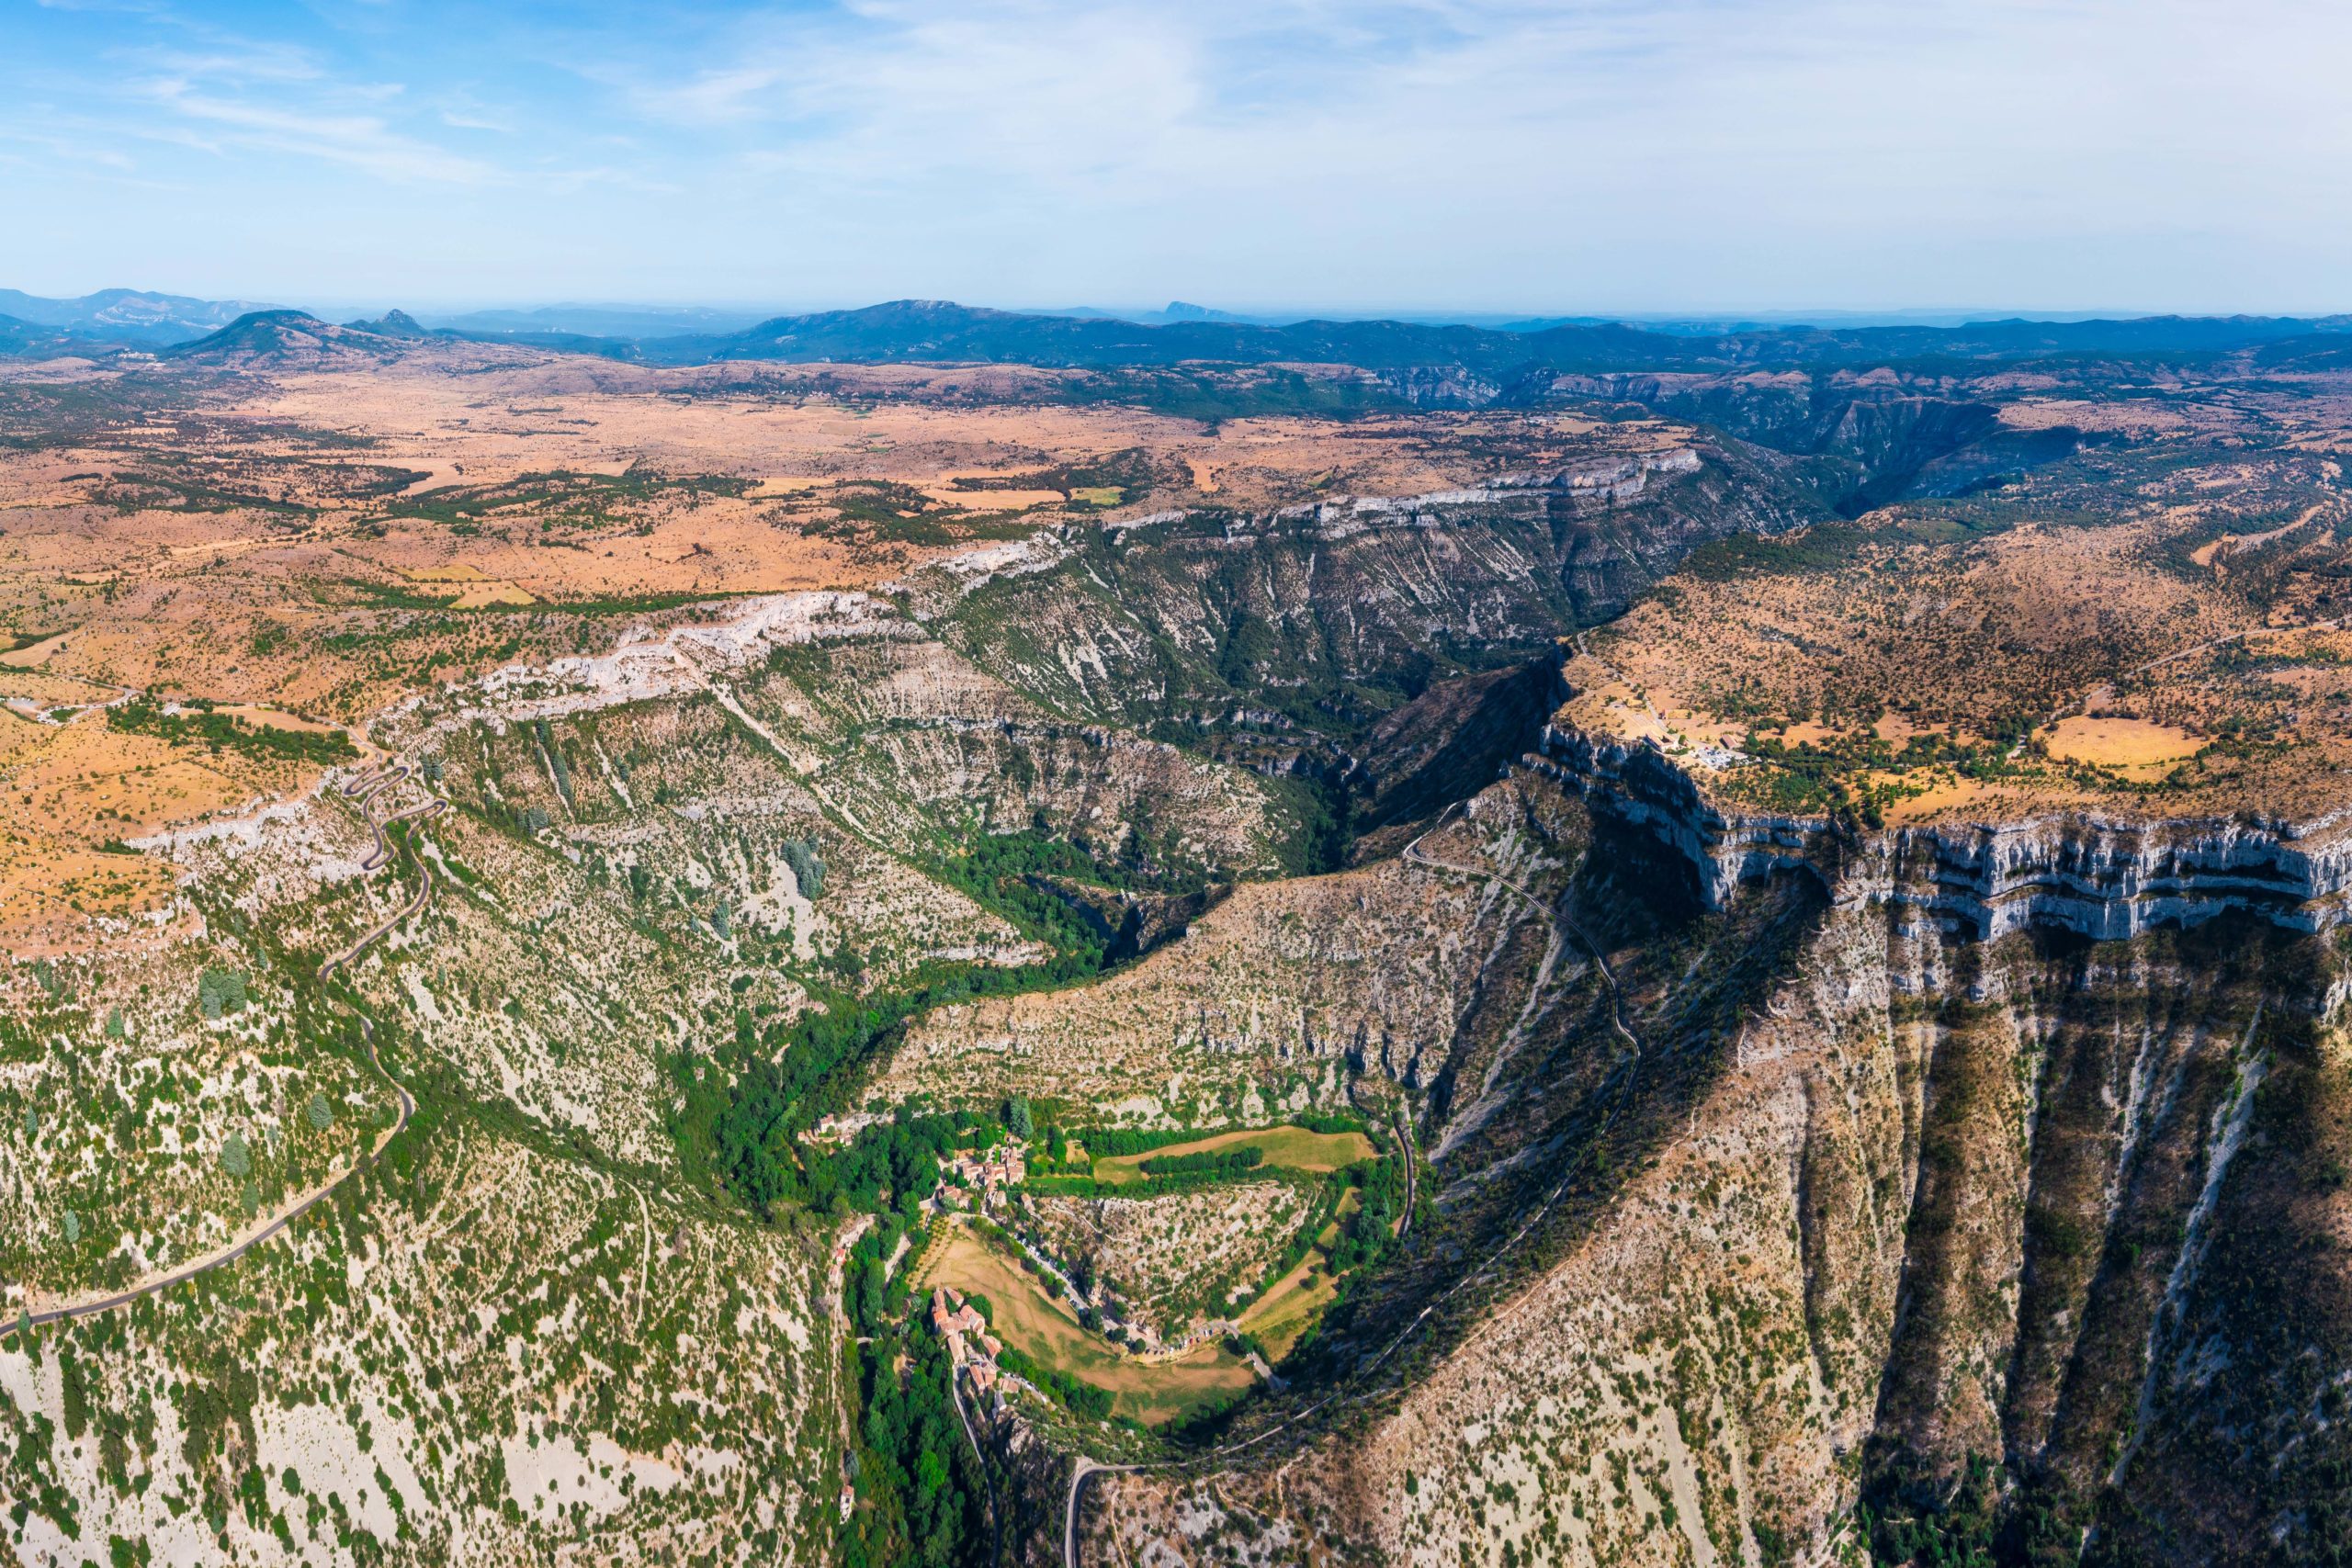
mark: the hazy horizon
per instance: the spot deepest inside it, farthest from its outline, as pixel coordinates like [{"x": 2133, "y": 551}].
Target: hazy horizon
[
  {"x": 431, "y": 310},
  {"x": 1468, "y": 157}
]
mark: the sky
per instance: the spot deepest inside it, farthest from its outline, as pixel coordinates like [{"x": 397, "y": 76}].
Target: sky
[{"x": 1581, "y": 156}]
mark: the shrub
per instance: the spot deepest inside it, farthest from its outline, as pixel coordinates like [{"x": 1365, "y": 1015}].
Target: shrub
[
  {"x": 198, "y": 724},
  {"x": 1081, "y": 1397}
]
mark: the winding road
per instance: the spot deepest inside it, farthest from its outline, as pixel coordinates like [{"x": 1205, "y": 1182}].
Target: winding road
[
  {"x": 361, "y": 792},
  {"x": 1086, "y": 1469},
  {"x": 229, "y": 1254}
]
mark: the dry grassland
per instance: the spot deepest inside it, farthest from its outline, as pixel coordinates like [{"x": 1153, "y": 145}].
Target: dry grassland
[{"x": 1287, "y": 1149}]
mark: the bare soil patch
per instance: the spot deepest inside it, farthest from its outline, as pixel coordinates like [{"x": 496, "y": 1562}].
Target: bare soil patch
[
  {"x": 1291, "y": 1148},
  {"x": 2117, "y": 742}
]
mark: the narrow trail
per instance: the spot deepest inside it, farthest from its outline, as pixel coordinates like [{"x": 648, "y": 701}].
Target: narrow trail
[
  {"x": 1567, "y": 922},
  {"x": 980, "y": 1457},
  {"x": 1086, "y": 1469},
  {"x": 644, "y": 1256},
  {"x": 1412, "y": 1160},
  {"x": 1472, "y": 1115},
  {"x": 361, "y": 792}
]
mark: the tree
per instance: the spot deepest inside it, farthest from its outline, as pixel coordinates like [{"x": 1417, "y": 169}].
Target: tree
[
  {"x": 808, "y": 866},
  {"x": 1016, "y": 1116},
  {"x": 870, "y": 1287},
  {"x": 220, "y": 992},
  {"x": 236, "y": 1157}
]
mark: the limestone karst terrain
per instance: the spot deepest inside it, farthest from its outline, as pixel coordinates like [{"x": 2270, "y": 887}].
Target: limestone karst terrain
[{"x": 1009, "y": 962}]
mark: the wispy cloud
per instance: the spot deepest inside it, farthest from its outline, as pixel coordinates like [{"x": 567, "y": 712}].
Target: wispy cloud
[
  {"x": 463, "y": 117},
  {"x": 1545, "y": 153},
  {"x": 359, "y": 140}
]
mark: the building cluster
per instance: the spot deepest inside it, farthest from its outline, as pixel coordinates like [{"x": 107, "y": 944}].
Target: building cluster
[
  {"x": 987, "y": 1173},
  {"x": 970, "y": 1344}
]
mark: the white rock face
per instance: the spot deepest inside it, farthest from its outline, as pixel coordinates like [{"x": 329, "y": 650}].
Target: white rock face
[
  {"x": 2104, "y": 879},
  {"x": 1610, "y": 482},
  {"x": 646, "y": 667}
]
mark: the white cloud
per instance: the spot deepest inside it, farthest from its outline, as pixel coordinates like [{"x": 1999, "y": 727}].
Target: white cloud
[
  {"x": 359, "y": 140},
  {"x": 1539, "y": 155}
]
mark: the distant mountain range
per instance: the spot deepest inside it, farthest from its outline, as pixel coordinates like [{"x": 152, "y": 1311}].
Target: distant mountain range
[
  {"x": 596, "y": 320},
  {"x": 913, "y": 331},
  {"x": 131, "y": 316}
]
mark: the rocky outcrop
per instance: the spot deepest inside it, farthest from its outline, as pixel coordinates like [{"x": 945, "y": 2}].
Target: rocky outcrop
[
  {"x": 2111, "y": 880},
  {"x": 1637, "y": 786},
  {"x": 1440, "y": 387},
  {"x": 1975, "y": 1233},
  {"x": 1603, "y": 484},
  {"x": 1866, "y": 440}
]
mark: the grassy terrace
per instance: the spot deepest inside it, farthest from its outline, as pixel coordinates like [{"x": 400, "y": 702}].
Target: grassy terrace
[{"x": 1042, "y": 1327}]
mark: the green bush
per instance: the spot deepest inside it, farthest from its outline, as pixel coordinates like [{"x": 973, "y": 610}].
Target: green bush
[
  {"x": 808, "y": 866},
  {"x": 196, "y": 724},
  {"x": 220, "y": 992},
  {"x": 1082, "y": 1398}
]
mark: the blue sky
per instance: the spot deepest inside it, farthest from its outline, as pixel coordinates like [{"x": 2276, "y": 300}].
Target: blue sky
[{"x": 1586, "y": 155}]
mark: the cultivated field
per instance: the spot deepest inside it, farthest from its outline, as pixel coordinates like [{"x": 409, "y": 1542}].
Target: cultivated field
[
  {"x": 1150, "y": 1391},
  {"x": 1285, "y": 1148}
]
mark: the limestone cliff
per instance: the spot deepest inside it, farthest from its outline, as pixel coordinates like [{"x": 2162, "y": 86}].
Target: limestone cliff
[
  {"x": 1962, "y": 1189},
  {"x": 2104, "y": 877}
]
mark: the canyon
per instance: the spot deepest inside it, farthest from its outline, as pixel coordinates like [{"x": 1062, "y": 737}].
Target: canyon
[{"x": 1680, "y": 962}]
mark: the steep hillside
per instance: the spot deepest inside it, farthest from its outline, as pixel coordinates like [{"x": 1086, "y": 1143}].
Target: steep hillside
[
  {"x": 1963, "y": 1235},
  {"x": 1279, "y": 631}
]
